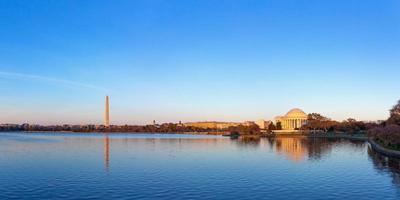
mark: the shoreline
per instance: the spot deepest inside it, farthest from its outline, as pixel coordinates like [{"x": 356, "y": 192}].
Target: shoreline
[
  {"x": 383, "y": 150},
  {"x": 222, "y": 133},
  {"x": 360, "y": 137}
]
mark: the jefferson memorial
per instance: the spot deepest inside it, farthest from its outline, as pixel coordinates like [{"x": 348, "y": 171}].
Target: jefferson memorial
[{"x": 293, "y": 120}]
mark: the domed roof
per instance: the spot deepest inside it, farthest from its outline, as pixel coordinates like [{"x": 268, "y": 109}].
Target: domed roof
[{"x": 296, "y": 113}]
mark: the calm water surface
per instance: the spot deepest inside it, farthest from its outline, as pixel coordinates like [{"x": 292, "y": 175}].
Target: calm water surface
[{"x": 154, "y": 166}]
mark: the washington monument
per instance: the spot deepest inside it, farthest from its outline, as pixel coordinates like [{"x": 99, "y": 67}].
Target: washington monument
[{"x": 107, "y": 114}]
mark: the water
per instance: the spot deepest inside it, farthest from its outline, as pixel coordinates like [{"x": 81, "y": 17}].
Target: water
[{"x": 154, "y": 166}]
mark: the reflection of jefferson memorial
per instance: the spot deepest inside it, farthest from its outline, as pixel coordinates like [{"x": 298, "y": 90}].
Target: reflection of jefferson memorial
[
  {"x": 293, "y": 120},
  {"x": 295, "y": 148}
]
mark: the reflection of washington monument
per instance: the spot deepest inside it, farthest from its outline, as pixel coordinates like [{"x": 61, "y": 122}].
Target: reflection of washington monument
[
  {"x": 106, "y": 139},
  {"x": 106, "y": 152}
]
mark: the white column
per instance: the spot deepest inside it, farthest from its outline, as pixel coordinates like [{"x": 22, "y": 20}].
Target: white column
[{"x": 291, "y": 127}]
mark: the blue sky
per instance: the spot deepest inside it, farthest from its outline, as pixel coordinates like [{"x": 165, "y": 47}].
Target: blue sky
[{"x": 197, "y": 60}]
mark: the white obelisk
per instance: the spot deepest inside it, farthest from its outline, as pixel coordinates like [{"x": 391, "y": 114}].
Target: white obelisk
[{"x": 107, "y": 113}]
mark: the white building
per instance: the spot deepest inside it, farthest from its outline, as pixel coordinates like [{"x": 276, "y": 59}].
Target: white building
[
  {"x": 293, "y": 120},
  {"x": 263, "y": 124}
]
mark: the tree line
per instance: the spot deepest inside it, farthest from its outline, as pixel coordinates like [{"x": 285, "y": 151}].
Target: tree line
[
  {"x": 388, "y": 133},
  {"x": 162, "y": 128}
]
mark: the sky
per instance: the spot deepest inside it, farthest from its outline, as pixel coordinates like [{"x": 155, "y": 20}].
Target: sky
[{"x": 193, "y": 60}]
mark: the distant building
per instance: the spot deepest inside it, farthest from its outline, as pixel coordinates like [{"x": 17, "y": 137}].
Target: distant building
[
  {"x": 293, "y": 120},
  {"x": 218, "y": 125},
  {"x": 212, "y": 125},
  {"x": 263, "y": 124},
  {"x": 180, "y": 124},
  {"x": 248, "y": 123}
]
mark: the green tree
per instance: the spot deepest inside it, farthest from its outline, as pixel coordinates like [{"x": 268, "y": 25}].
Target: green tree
[
  {"x": 245, "y": 130},
  {"x": 395, "y": 114},
  {"x": 317, "y": 117},
  {"x": 278, "y": 126},
  {"x": 271, "y": 127},
  {"x": 317, "y": 121}
]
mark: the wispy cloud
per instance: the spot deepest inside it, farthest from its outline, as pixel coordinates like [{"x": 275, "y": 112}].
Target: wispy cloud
[{"x": 31, "y": 77}]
